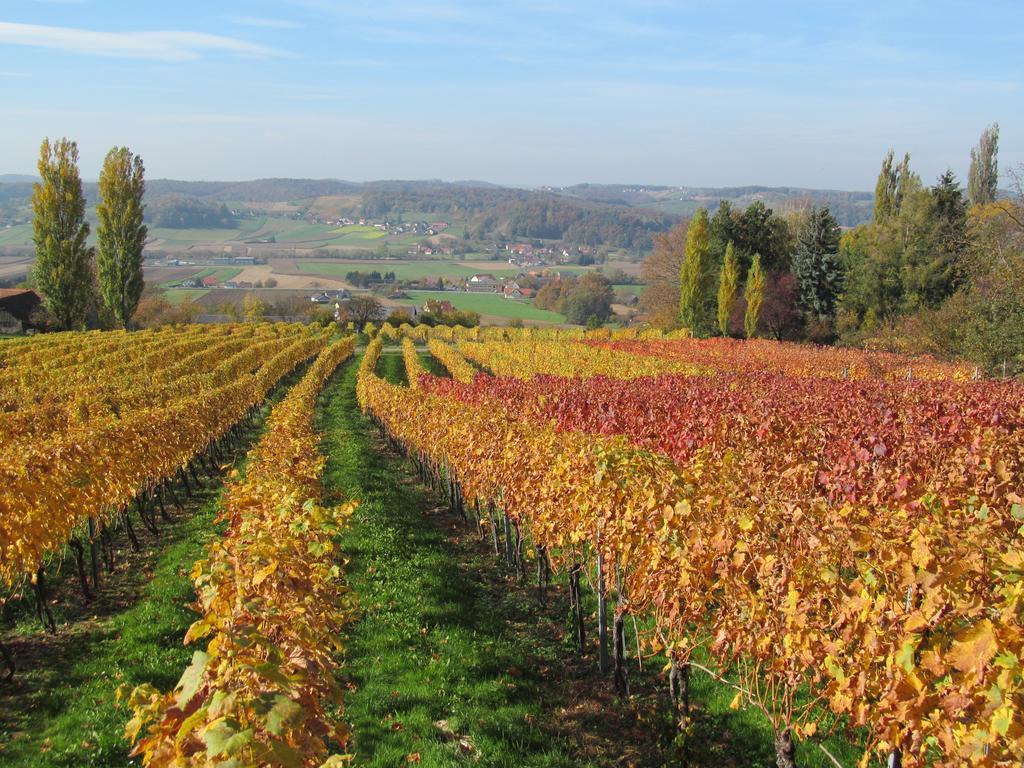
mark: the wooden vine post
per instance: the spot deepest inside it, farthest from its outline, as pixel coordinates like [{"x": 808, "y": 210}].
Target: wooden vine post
[
  {"x": 576, "y": 601},
  {"x": 92, "y": 553},
  {"x": 619, "y": 639},
  {"x": 602, "y": 616},
  {"x": 543, "y": 575}
]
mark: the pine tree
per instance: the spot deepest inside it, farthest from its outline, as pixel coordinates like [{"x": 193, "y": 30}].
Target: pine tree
[
  {"x": 817, "y": 266},
  {"x": 983, "y": 179},
  {"x": 121, "y": 233},
  {"x": 64, "y": 263},
  {"x": 754, "y": 294},
  {"x": 693, "y": 276},
  {"x": 728, "y": 282},
  {"x": 935, "y": 244}
]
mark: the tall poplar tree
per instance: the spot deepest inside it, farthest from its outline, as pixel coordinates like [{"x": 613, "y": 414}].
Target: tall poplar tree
[
  {"x": 891, "y": 187},
  {"x": 906, "y": 182},
  {"x": 983, "y": 179},
  {"x": 64, "y": 263},
  {"x": 728, "y": 282},
  {"x": 817, "y": 266},
  {"x": 885, "y": 189},
  {"x": 754, "y": 294},
  {"x": 693, "y": 276},
  {"x": 121, "y": 233}
]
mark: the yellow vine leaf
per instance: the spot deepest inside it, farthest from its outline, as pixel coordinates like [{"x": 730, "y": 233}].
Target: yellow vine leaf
[{"x": 974, "y": 648}]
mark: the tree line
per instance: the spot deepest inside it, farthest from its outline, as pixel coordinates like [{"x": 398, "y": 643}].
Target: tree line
[
  {"x": 73, "y": 277},
  {"x": 925, "y": 275},
  {"x": 181, "y": 212},
  {"x": 497, "y": 213},
  {"x": 584, "y": 300}
]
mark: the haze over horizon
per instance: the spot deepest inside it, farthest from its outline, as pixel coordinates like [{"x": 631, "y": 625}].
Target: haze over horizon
[{"x": 556, "y": 92}]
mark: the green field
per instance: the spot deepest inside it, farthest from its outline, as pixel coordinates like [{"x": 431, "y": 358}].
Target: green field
[
  {"x": 360, "y": 232},
  {"x": 192, "y": 236},
  {"x": 20, "y": 234},
  {"x": 282, "y": 230},
  {"x": 490, "y": 304},
  {"x": 221, "y": 273},
  {"x": 296, "y": 231},
  {"x": 178, "y": 295},
  {"x": 421, "y": 268},
  {"x": 404, "y": 270},
  {"x": 629, "y": 288}
]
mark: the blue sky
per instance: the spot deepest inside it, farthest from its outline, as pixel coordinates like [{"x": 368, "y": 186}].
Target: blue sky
[{"x": 534, "y": 92}]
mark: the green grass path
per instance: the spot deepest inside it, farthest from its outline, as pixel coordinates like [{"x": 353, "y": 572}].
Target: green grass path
[
  {"x": 437, "y": 666},
  {"x": 61, "y": 709}
]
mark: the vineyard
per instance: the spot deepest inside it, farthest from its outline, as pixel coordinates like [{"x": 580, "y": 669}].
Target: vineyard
[
  {"x": 836, "y": 535},
  {"x": 831, "y": 536}
]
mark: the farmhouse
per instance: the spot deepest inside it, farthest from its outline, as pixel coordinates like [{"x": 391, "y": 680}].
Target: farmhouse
[
  {"x": 482, "y": 284},
  {"x": 513, "y": 290},
  {"x": 16, "y": 308}
]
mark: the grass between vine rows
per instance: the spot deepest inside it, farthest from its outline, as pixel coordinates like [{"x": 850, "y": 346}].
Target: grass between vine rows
[
  {"x": 62, "y": 710},
  {"x": 436, "y": 673},
  {"x": 451, "y": 662}
]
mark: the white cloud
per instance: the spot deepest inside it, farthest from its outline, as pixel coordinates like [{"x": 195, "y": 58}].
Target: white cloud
[
  {"x": 265, "y": 23},
  {"x": 160, "y": 45}
]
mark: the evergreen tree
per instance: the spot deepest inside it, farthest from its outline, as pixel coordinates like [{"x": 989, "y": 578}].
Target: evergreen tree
[
  {"x": 817, "y": 266},
  {"x": 983, "y": 179},
  {"x": 121, "y": 233},
  {"x": 728, "y": 282},
  {"x": 755, "y": 229},
  {"x": 936, "y": 239},
  {"x": 759, "y": 230},
  {"x": 693, "y": 276},
  {"x": 873, "y": 286},
  {"x": 722, "y": 230},
  {"x": 754, "y": 294},
  {"x": 64, "y": 263}
]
